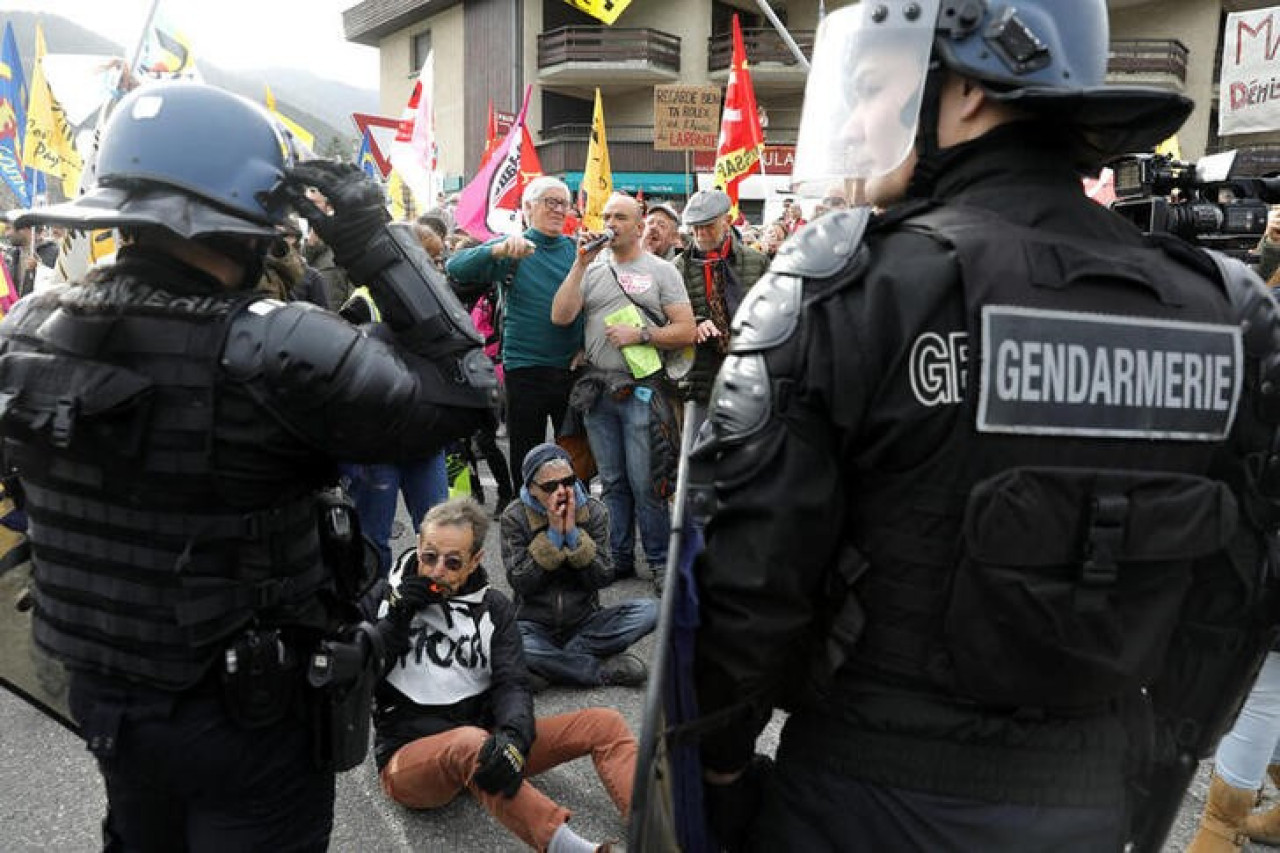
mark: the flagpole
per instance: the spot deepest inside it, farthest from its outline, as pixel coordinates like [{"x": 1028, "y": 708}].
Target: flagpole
[
  {"x": 127, "y": 69},
  {"x": 782, "y": 31}
]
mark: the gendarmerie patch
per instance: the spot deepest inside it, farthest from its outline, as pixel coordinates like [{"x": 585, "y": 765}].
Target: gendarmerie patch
[{"x": 1067, "y": 373}]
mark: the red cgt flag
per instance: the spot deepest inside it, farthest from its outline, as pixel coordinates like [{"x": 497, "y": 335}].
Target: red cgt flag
[
  {"x": 741, "y": 138},
  {"x": 491, "y": 139}
]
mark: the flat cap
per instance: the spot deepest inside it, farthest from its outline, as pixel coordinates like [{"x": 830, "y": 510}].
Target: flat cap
[
  {"x": 706, "y": 206},
  {"x": 665, "y": 209}
]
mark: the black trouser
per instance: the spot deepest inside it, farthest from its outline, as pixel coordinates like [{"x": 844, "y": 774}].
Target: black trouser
[
  {"x": 810, "y": 806},
  {"x": 534, "y": 394},
  {"x": 181, "y": 776},
  {"x": 487, "y": 443}
]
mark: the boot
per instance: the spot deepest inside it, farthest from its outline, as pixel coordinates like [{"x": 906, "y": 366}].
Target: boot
[
  {"x": 1222, "y": 824},
  {"x": 1264, "y": 827}
]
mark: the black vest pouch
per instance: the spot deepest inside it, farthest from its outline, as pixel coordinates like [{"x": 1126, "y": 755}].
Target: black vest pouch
[
  {"x": 58, "y": 400},
  {"x": 1071, "y": 581}
]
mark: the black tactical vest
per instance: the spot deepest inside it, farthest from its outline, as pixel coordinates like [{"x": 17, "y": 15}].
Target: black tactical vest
[
  {"x": 1040, "y": 557},
  {"x": 110, "y": 403}
]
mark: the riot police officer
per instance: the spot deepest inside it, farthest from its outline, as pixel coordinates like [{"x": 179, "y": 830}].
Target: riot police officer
[
  {"x": 964, "y": 451},
  {"x": 170, "y": 429}
]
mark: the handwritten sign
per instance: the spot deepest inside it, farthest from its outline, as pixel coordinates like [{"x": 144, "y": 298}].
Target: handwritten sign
[
  {"x": 686, "y": 118},
  {"x": 1249, "y": 91}
]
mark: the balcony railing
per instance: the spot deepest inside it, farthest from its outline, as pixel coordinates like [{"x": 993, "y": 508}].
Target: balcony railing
[
  {"x": 762, "y": 45},
  {"x": 1148, "y": 56},
  {"x": 608, "y": 45},
  {"x": 614, "y": 133}
]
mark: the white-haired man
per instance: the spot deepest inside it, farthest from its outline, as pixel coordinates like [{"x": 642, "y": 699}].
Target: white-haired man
[{"x": 535, "y": 352}]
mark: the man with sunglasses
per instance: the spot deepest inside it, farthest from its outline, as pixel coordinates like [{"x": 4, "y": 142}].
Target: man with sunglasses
[
  {"x": 555, "y": 547},
  {"x": 536, "y": 353},
  {"x": 454, "y": 711}
]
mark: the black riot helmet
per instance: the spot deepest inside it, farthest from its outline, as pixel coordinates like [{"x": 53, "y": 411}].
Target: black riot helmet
[
  {"x": 1047, "y": 58},
  {"x": 188, "y": 157}
]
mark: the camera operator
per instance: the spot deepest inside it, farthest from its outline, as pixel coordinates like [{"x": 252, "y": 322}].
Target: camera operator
[
  {"x": 1269, "y": 246},
  {"x": 172, "y": 430}
]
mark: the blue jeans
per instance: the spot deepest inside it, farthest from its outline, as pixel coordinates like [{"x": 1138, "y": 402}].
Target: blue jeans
[
  {"x": 619, "y": 434},
  {"x": 575, "y": 659},
  {"x": 375, "y": 489},
  {"x": 1243, "y": 754}
]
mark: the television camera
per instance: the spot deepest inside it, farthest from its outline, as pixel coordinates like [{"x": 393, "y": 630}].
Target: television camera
[{"x": 1162, "y": 195}]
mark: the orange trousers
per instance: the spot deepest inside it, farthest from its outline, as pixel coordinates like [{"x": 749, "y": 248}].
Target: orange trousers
[{"x": 431, "y": 771}]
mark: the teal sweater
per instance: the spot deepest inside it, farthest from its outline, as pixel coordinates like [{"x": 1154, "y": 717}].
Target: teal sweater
[{"x": 529, "y": 338}]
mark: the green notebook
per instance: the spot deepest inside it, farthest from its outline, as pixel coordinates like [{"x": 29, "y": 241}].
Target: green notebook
[{"x": 642, "y": 359}]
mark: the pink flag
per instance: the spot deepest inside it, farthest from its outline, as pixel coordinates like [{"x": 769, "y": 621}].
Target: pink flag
[
  {"x": 413, "y": 150},
  {"x": 487, "y": 207}
]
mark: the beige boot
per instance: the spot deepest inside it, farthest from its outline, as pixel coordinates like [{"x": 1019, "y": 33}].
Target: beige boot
[
  {"x": 1222, "y": 824},
  {"x": 1264, "y": 827}
]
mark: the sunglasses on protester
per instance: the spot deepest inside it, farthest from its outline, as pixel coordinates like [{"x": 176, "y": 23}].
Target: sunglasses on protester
[
  {"x": 452, "y": 562},
  {"x": 551, "y": 485}
]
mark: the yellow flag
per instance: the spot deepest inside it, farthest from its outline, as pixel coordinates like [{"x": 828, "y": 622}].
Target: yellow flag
[
  {"x": 300, "y": 133},
  {"x": 1171, "y": 147},
  {"x": 606, "y": 11},
  {"x": 403, "y": 207},
  {"x": 101, "y": 244},
  {"x": 597, "y": 178},
  {"x": 49, "y": 145}
]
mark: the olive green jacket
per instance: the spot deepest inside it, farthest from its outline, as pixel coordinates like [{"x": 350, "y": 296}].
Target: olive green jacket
[{"x": 748, "y": 265}]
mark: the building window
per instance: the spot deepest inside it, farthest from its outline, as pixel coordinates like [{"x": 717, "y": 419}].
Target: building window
[{"x": 420, "y": 52}]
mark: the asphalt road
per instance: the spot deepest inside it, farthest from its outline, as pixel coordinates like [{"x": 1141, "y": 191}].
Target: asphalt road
[{"x": 51, "y": 798}]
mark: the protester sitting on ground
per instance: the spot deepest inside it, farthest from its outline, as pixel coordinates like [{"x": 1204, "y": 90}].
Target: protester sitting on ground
[
  {"x": 555, "y": 548},
  {"x": 454, "y": 711}
]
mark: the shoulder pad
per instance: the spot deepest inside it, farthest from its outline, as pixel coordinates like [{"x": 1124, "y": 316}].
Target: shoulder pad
[
  {"x": 294, "y": 343},
  {"x": 1251, "y": 302},
  {"x": 823, "y": 247},
  {"x": 768, "y": 315},
  {"x": 741, "y": 399}
]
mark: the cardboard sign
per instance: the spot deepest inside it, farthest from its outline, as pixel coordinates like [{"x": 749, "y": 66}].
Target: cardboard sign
[
  {"x": 1249, "y": 91},
  {"x": 686, "y": 118}
]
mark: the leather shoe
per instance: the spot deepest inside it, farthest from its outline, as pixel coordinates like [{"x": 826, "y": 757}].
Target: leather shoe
[{"x": 624, "y": 670}]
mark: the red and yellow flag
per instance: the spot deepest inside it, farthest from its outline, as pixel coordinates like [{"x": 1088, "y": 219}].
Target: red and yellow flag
[
  {"x": 491, "y": 138},
  {"x": 741, "y": 138}
]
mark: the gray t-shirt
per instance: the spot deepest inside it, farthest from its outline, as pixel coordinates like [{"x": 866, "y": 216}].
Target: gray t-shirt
[{"x": 650, "y": 281}]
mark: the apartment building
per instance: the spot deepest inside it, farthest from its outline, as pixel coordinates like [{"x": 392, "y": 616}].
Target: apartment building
[{"x": 487, "y": 51}]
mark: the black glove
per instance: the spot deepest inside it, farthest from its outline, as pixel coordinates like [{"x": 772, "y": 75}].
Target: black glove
[
  {"x": 500, "y": 766},
  {"x": 359, "y": 208},
  {"x": 732, "y": 808},
  {"x": 413, "y": 594}
]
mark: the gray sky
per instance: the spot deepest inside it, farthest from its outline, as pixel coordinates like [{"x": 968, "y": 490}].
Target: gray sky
[{"x": 233, "y": 34}]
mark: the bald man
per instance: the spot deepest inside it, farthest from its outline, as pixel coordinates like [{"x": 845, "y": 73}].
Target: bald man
[{"x": 597, "y": 288}]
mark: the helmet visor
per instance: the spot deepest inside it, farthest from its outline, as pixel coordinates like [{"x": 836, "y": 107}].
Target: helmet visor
[{"x": 862, "y": 99}]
